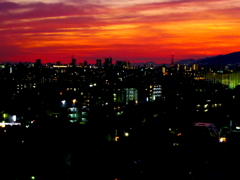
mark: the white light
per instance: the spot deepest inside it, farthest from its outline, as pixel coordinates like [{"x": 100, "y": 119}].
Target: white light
[
  {"x": 126, "y": 134},
  {"x": 63, "y": 102},
  {"x": 237, "y": 127},
  {"x": 1, "y": 124},
  {"x": 14, "y": 118}
]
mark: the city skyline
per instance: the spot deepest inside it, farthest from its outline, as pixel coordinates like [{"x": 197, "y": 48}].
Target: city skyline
[{"x": 127, "y": 30}]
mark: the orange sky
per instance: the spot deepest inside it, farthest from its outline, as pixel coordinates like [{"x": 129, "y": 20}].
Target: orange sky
[{"x": 137, "y": 30}]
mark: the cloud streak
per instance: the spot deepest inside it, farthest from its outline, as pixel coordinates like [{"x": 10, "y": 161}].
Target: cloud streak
[{"x": 128, "y": 29}]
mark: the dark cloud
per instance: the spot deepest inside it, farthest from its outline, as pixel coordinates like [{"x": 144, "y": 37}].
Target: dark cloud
[{"x": 5, "y": 6}]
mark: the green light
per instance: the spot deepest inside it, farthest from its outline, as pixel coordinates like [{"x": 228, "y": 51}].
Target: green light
[
  {"x": 4, "y": 115},
  {"x": 32, "y": 177}
]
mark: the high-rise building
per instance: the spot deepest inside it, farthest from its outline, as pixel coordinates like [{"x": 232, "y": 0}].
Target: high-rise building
[
  {"x": 98, "y": 62},
  {"x": 38, "y": 62},
  {"x": 127, "y": 64},
  {"x": 85, "y": 63},
  {"x": 163, "y": 69},
  {"x": 195, "y": 67},
  {"x": 108, "y": 62},
  {"x": 120, "y": 64},
  {"x": 131, "y": 95},
  {"x": 74, "y": 61}
]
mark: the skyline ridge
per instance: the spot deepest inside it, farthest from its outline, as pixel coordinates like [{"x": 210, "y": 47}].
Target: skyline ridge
[{"x": 182, "y": 61}]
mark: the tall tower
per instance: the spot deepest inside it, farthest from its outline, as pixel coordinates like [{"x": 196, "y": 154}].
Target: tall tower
[{"x": 172, "y": 64}]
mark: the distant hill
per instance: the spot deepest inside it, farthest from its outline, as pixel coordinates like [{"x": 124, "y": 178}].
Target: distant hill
[
  {"x": 222, "y": 60},
  {"x": 228, "y": 59},
  {"x": 149, "y": 63},
  {"x": 186, "y": 61}
]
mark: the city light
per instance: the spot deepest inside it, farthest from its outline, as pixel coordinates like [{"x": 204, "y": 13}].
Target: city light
[
  {"x": 63, "y": 102},
  {"x": 14, "y": 118},
  {"x": 222, "y": 140},
  {"x": 126, "y": 134},
  {"x": 3, "y": 124}
]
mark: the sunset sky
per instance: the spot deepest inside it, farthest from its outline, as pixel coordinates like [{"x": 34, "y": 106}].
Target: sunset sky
[{"x": 135, "y": 30}]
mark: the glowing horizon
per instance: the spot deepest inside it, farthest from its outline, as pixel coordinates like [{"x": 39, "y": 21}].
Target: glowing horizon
[{"x": 136, "y": 30}]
